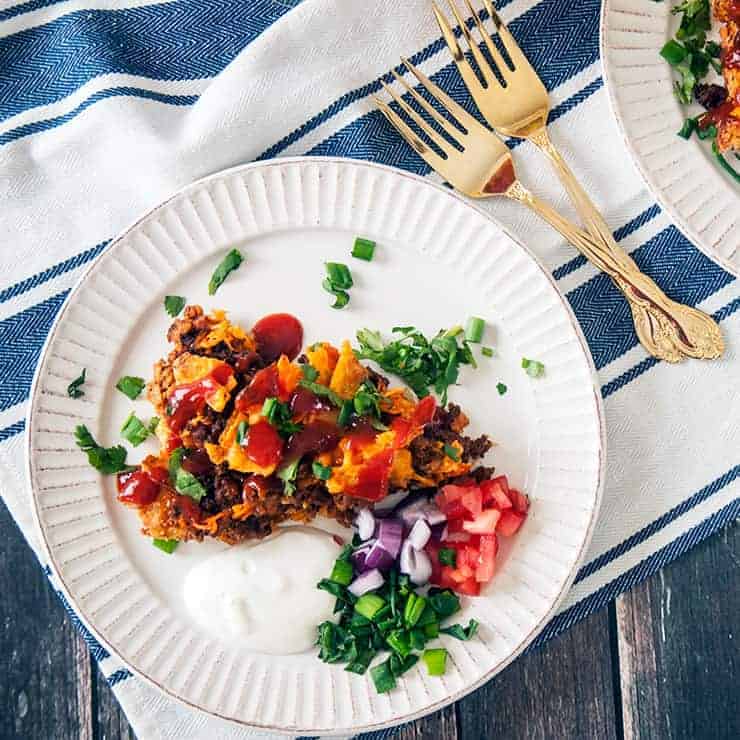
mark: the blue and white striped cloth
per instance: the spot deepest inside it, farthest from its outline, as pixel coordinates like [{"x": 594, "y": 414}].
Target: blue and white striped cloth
[{"x": 108, "y": 106}]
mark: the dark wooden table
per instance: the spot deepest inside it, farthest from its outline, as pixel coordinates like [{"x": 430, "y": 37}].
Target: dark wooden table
[{"x": 660, "y": 662}]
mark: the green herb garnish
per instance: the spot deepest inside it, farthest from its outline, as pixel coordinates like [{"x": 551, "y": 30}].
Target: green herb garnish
[
  {"x": 184, "y": 482},
  {"x": 131, "y": 386},
  {"x": 322, "y": 472},
  {"x": 342, "y": 572},
  {"x": 363, "y": 249},
  {"x": 474, "y": 329},
  {"x": 227, "y": 265},
  {"x": 436, "y": 661},
  {"x": 241, "y": 433},
  {"x": 452, "y": 452},
  {"x": 168, "y": 546},
  {"x": 288, "y": 475},
  {"x": 323, "y": 391},
  {"x": 447, "y": 556},
  {"x": 107, "y": 460},
  {"x": 383, "y": 677},
  {"x": 368, "y": 605},
  {"x": 486, "y": 351},
  {"x": 153, "y": 424},
  {"x": 460, "y": 632},
  {"x": 279, "y": 415},
  {"x": 338, "y": 281},
  {"x": 74, "y": 389},
  {"x": 421, "y": 362},
  {"x": 724, "y": 164},
  {"x": 501, "y": 388},
  {"x": 173, "y": 304},
  {"x": 134, "y": 430},
  {"x": 310, "y": 373},
  {"x": 533, "y": 368}
]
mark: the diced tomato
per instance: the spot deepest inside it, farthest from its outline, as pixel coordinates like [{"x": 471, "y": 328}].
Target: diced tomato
[
  {"x": 484, "y": 523},
  {"x": 469, "y": 587},
  {"x": 510, "y": 523},
  {"x": 519, "y": 500},
  {"x": 496, "y": 492},
  {"x": 472, "y": 500},
  {"x": 424, "y": 411},
  {"x": 487, "y": 549}
]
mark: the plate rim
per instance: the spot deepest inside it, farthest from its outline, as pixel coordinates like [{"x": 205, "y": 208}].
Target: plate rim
[
  {"x": 666, "y": 205},
  {"x": 449, "y": 698}
]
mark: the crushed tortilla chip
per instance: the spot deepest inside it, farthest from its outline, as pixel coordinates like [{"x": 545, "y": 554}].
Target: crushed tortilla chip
[
  {"x": 323, "y": 357},
  {"x": 348, "y": 373},
  {"x": 222, "y": 330},
  {"x": 189, "y": 368}
]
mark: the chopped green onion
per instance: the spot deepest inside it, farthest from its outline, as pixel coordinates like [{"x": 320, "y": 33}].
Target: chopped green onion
[
  {"x": 134, "y": 430},
  {"x": 452, "y": 452},
  {"x": 105, "y": 459},
  {"x": 534, "y": 368},
  {"x": 279, "y": 415},
  {"x": 288, "y": 475},
  {"x": 341, "y": 297},
  {"x": 310, "y": 373},
  {"x": 369, "y": 605},
  {"x": 153, "y": 424},
  {"x": 486, "y": 351},
  {"x": 724, "y": 164},
  {"x": 673, "y": 53},
  {"x": 268, "y": 408},
  {"x": 688, "y": 128},
  {"x": 345, "y": 413},
  {"x": 167, "y": 546},
  {"x": 361, "y": 662},
  {"x": 335, "y": 589},
  {"x": 241, "y": 433},
  {"x": 431, "y": 630},
  {"x": 363, "y": 249},
  {"x": 74, "y": 389},
  {"x": 710, "y": 132},
  {"x": 322, "y": 472},
  {"x": 474, "y": 330},
  {"x": 399, "y": 666},
  {"x": 417, "y": 638},
  {"x": 339, "y": 275},
  {"x": 342, "y": 572},
  {"x": 436, "y": 661},
  {"x": 184, "y": 482},
  {"x": 445, "y": 602},
  {"x": 131, "y": 386},
  {"x": 173, "y": 304},
  {"x": 447, "y": 556},
  {"x": 413, "y": 610},
  {"x": 383, "y": 678},
  {"x": 501, "y": 388},
  {"x": 460, "y": 632},
  {"x": 227, "y": 265},
  {"x": 399, "y": 642}
]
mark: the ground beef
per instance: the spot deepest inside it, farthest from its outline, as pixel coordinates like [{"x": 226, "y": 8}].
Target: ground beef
[
  {"x": 477, "y": 475},
  {"x": 710, "y": 96},
  {"x": 378, "y": 380}
]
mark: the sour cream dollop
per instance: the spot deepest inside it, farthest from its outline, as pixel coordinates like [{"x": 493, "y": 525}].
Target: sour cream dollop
[{"x": 264, "y": 596}]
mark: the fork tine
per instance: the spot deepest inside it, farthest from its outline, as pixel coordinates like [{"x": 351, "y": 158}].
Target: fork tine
[
  {"x": 512, "y": 48},
  {"x": 457, "y": 111},
  {"x": 453, "y": 132},
  {"x": 480, "y": 60},
  {"x": 420, "y": 147},
  {"x": 466, "y": 71},
  {"x": 496, "y": 55},
  {"x": 434, "y": 136}
]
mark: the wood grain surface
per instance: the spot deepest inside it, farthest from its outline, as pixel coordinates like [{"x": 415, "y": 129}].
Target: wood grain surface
[{"x": 662, "y": 662}]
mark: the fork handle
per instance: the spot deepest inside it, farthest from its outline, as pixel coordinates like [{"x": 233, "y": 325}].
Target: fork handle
[
  {"x": 697, "y": 335},
  {"x": 694, "y": 333}
]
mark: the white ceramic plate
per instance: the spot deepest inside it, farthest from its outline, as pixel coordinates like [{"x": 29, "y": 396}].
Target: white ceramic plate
[
  {"x": 439, "y": 260},
  {"x": 703, "y": 201}
]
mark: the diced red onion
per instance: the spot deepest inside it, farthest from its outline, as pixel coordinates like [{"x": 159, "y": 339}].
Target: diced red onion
[
  {"x": 368, "y": 581},
  {"x": 419, "y": 535},
  {"x": 420, "y": 508},
  {"x": 378, "y": 557},
  {"x": 359, "y": 556},
  {"x": 416, "y": 564},
  {"x": 439, "y": 531},
  {"x": 389, "y": 504},
  {"x": 365, "y": 524},
  {"x": 390, "y": 535},
  {"x": 434, "y": 515}
]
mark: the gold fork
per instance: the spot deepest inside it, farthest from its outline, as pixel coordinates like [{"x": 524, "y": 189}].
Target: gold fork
[
  {"x": 478, "y": 163},
  {"x": 668, "y": 330}
]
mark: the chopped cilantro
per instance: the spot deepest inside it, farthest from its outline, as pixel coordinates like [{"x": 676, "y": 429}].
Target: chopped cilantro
[
  {"x": 131, "y": 386},
  {"x": 74, "y": 389},
  {"x": 173, "y": 304},
  {"x": 134, "y": 430},
  {"x": 501, "y": 388},
  {"x": 167, "y": 546},
  {"x": 183, "y": 481},
  {"x": 105, "y": 459},
  {"x": 452, "y": 452},
  {"x": 288, "y": 475},
  {"x": 227, "y": 265}
]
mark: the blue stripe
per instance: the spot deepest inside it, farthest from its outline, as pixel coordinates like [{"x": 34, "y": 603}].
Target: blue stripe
[
  {"x": 181, "y": 40},
  {"x": 644, "y": 365},
  {"x": 21, "y": 338},
  {"x": 54, "y": 271},
  {"x": 113, "y": 92},
  {"x": 12, "y": 430},
  {"x": 660, "y": 523},
  {"x": 637, "y": 574},
  {"x": 26, "y": 7},
  {"x": 117, "y": 676},
  {"x": 621, "y": 233}
]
